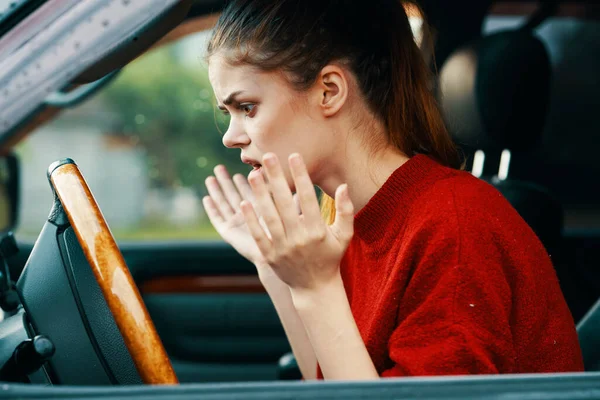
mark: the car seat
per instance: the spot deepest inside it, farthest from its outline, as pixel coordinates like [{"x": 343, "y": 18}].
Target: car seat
[{"x": 494, "y": 95}]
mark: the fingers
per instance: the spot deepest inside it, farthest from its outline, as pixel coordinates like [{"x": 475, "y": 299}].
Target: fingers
[
  {"x": 257, "y": 232},
  {"x": 305, "y": 192},
  {"x": 241, "y": 183},
  {"x": 282, "y": 195},
  {"x": 214, "y": 215},
  {"x": 231, "y": 193},
  {"x": 219, "y": 200},
  {"x": 297, "y": 204},
  {"x": 266, "y": 208},
  {"x": 343, "y": 226}
]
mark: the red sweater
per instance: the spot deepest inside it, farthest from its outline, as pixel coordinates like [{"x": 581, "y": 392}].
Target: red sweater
[{"x": 444, "y": 277}]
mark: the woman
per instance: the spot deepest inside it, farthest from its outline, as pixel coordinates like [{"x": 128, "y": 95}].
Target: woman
[{"x": 436, "y": 273}]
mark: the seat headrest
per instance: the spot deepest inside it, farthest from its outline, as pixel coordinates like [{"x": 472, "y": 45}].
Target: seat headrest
[{"x": 494, "y": 93}]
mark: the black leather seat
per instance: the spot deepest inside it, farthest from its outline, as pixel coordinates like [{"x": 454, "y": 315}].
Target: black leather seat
[{"x": 494, "y": 94}]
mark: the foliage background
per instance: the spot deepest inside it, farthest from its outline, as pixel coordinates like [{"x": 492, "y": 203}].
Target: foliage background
[{"x": 167, "y": 107}]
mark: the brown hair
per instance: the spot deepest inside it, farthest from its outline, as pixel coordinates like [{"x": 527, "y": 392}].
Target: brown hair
[{"x": 373, "y": 38}]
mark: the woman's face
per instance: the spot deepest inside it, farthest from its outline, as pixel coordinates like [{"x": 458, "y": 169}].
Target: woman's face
[{"x": 268, "y": 116}]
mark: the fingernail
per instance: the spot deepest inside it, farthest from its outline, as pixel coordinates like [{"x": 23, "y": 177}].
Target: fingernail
[
  {"x": 295, "y": 159},
  {"x": 254, "y": 179},
  {"x": 269, "y": 159}
]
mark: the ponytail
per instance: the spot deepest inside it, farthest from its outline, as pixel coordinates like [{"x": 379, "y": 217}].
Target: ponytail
[{"x": 412, "y": 117}]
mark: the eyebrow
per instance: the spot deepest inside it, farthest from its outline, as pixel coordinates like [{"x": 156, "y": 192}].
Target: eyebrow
[{"x": 230, "y": 99}]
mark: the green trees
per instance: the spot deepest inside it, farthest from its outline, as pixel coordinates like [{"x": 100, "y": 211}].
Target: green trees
[{"x": 166, "y": 106}]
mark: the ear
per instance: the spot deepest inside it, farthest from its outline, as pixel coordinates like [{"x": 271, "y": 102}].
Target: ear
[{"x": 332, "y": 88}]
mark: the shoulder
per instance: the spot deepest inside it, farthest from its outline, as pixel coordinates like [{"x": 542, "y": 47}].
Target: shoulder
[
  {"x": 468, "y": 200},
  {"x": 463, "y": 188},
  {"x": 462, "y": 227},
  {"x": 472, "y": 216}
]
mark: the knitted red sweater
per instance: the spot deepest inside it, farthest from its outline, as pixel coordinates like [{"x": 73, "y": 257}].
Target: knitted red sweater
[{"x": 444, "y": 277}]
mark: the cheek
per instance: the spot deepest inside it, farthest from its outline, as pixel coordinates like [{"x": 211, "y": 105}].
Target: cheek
[
  {"x": 284, "y": 130},
  {"x": 270, "y": 129}
]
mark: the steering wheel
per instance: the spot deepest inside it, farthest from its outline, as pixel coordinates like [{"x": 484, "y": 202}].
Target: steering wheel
[{"x": 111, "y": 273}]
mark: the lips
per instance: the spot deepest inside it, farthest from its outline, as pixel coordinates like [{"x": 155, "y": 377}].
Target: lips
[{"x": 252, "y": 162}]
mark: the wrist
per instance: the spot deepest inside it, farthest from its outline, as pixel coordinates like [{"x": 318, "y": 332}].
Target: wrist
[
  {"x": 264, "y": 270},
  {"x": 268, "y": 278},
  {"x": 325, "y": 294}
]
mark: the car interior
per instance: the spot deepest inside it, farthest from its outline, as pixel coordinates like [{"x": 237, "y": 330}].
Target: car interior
[{"x": 88, "y": 316}]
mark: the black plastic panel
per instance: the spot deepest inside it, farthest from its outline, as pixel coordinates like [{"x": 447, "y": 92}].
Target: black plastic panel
[
  {"x": 218, "y": 328},
  {"x": 543, "y": 386},
  {"x": 102, "y": 329},
  {"x": 51, "y": 308},
  {"x": 208, "y": 372},
  {"x": 12, "y": 332},
  {"x": 155, "y": 259}
]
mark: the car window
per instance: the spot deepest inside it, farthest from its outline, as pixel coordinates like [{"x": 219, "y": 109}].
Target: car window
[{"x": 145, "y": 145}]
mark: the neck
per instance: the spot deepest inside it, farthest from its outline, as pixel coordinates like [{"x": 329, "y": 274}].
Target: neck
[{"x": 364, "y": 171}]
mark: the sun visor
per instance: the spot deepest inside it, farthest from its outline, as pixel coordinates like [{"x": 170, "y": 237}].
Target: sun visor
[
  {"x": 85, "y": 42},
  {"x": 137, "y": 44}
]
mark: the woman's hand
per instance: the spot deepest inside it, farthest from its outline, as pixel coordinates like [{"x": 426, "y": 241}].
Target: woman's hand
[
  {"x": 223, "y": 209},
  {"x": 302, "y": 250}
]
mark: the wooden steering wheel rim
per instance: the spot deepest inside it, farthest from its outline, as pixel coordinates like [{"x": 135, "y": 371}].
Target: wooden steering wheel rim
[{"x": 111, "y": 272}]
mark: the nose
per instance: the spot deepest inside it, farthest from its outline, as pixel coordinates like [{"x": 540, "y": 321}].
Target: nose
[{"x": 235, "y": 137}]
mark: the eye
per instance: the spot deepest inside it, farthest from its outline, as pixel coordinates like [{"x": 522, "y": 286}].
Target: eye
[{"x": 248, "y": 109}]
